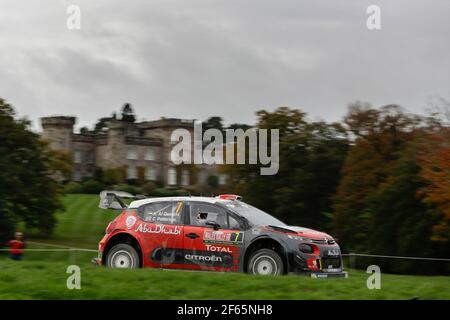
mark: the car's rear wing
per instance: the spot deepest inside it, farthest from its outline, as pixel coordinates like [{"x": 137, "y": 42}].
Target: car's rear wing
[{"x": 114, "y": 199}]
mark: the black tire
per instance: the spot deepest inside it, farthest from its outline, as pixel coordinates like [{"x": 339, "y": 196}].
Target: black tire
[
  {"x": 265, "y": 262},
  {"x": 122, "y": 256}
]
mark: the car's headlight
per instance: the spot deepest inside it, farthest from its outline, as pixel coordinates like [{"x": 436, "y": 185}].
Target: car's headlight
[
  {"x": 298, "y": 238},
  {"x": 306, "y": 248}
]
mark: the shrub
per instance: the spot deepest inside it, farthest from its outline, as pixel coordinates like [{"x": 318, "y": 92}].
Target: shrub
[
  {"x": 89, "y": 186},
  {"x": 72, "y": 187},
  {"x": 148, "y": 188},
  {"x": 128, "y": 188},
  {"x": 161, "y": 192},
  {"x": 112, "y": 176},
  {"x": 92, "y": 186}
]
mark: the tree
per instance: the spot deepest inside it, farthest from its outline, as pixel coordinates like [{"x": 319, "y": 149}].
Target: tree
[
  {"x": 401, "y": 222},
  {"x": 213, "y": 123},
  {"x": 128, "y": 113},
  {"x": 84, "y": 130},
  {"x": 243, "y": 126},
  {"x": 435, "y": 168},
  {"x": 102, "y": 123},
  {"x": 311, "y": 157},
  {"x": 28, "y": 194},
  {"x": 61, "y": 164},
  {"x": 380, "y": 135}
]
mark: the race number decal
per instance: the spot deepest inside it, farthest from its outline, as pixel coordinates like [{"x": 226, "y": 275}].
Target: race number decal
[{"x": 223, "y": 237}]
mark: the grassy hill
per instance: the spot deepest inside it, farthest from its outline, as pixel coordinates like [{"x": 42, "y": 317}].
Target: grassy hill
[
  {"x": 42, "y": 275},
  {"x": 82, "y": 223}
]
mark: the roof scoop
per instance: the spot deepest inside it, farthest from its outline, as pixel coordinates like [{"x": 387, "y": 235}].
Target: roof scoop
[{"x": 229, "y": 197}]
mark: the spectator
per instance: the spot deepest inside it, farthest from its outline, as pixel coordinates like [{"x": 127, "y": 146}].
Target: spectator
[{"x": 16, "y": 246}]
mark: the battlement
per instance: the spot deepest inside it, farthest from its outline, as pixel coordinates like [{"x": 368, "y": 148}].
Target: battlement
[
  {"x": 58, "y": 121},
  {"x": 167, "y": 122}
]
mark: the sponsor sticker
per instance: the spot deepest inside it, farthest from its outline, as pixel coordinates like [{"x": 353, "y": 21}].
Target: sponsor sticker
[
  {"x": 220, "y": 237},
  {"x": 178, "y": 209},
  {"x": 130, "y": 221},
  {"x": 331, "y": 269},
  {"x": 187, "y": 256},
  {"x": 256, "y": 230},
  {"x": 333, "y": 252},
  {"x": 158, "y": 228},
  {"x": 217, "y": 248},
  {"x": 202, "y": 258}
]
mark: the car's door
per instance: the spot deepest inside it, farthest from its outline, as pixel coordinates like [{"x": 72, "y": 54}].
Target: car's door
[
  {"x": 208, "y": 248},
  {"x": 161, "y": 233}
]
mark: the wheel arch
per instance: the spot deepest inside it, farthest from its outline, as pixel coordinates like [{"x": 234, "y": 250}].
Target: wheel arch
[
  {"x": 266, "y": 242},
  {"x": 123, "y": 237}
]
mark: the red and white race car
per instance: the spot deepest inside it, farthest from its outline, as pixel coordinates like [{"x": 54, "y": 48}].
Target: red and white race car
[{"x": 211, "y": 233}]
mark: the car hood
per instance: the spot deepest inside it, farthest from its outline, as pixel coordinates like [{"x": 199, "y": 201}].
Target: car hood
[{"x": 302, "y": 232}]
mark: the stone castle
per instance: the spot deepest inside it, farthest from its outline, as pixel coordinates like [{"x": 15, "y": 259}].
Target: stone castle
[{"x": 140, "y": 150}]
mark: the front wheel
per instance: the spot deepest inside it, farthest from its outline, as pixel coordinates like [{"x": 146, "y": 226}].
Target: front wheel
[
  {"x": 122, "y": 256},
  {"x": 265, "y": 262}
]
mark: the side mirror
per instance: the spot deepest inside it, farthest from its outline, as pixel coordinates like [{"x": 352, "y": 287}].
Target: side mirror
[{"x": 213, "y": 224}]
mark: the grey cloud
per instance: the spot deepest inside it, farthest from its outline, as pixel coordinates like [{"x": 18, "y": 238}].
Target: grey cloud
[{"x": 229, "y": 58}]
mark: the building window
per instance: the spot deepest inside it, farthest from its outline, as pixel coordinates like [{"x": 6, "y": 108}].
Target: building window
[
  {"x": 202, "y": 178},
  {"x": 77, "y": 156},
  {"x": 132, "y": 155},
  {"x": 185, "y": 178},
  {"x": 150, "y": 154},
  {"x": 77, "y": 176},
  {"x": 91, "y": 158},
  {"x": 222, "y": 179},
  {"x": 151, "y": 174},
  {"x": 131, "y": 172},
  {"x": 171, "y": 176},
  {"x": 62, "y": 143}
]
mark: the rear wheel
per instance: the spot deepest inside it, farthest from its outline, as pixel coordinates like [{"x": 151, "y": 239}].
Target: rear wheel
[
  {"x": 265, "y": 262},
  {"x": 122, "y": 256}
]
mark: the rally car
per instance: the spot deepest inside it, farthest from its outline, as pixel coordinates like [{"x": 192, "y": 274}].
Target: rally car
[{"x": 220, "y": 233}]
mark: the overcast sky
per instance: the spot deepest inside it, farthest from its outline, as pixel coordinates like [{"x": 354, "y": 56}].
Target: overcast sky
[{"x": 198, "y": 58}]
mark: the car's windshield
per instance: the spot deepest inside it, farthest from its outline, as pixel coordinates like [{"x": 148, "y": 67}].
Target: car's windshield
[{"x": 254, "y": 215}]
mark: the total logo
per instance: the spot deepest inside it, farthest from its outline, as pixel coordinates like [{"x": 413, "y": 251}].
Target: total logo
[
  {"x": 218, "y": 249},
  {"x": 130, "y": 221}
]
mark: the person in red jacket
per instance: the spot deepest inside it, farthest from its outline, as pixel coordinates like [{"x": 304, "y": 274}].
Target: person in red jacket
[{"x": 16, "y": 246}]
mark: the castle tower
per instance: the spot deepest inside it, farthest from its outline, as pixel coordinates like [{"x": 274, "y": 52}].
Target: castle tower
[
  {"x": 113, "y": 153},
  {"x": 58, "y": 131}
]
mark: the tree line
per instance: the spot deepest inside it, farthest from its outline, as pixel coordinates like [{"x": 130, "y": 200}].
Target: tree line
[{"x": 379, "y": 181}]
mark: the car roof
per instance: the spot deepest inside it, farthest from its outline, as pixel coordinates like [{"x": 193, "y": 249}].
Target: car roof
[{"x": 137, "y": 203}]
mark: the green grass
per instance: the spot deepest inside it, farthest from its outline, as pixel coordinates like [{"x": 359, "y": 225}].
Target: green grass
[
  {"x": 42, "y": 275},
  {"x": 81, "y": 224},
  {"x": 47, "y": 280}
]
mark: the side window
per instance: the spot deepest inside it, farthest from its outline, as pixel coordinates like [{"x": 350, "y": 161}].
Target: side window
[
  {"x": 233, "y": 223},
  {"x": 163, "y": 212},
  {"x": 202, "y": 212}
]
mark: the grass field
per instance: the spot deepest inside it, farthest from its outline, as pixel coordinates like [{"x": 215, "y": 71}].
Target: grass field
[
  {"x": 47, "y": 280},
  {"x": 42, "y": 275}
]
